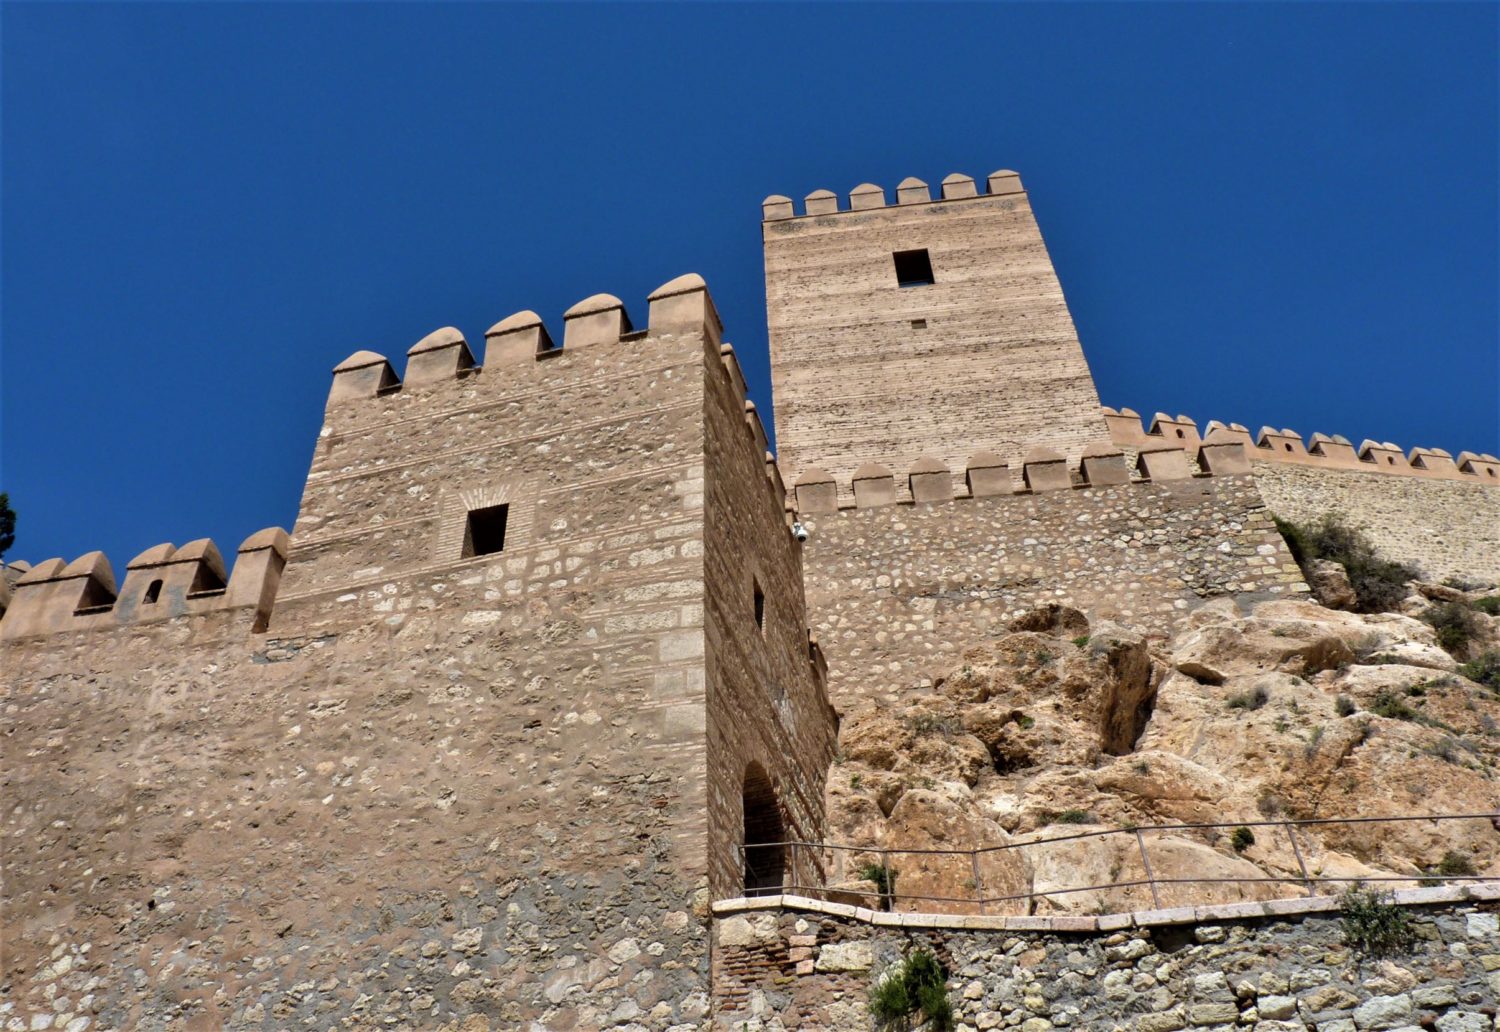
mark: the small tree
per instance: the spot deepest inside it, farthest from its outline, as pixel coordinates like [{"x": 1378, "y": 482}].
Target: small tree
[
  {"x": 1374, "y": 925},
  {"x": 915, "y": 986},
  {"x": 7, "y": 524},
  {"x": 1379, "y": 584}
]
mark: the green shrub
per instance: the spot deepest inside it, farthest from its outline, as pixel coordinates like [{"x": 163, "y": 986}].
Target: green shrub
[
  {"x": 884, "y": 877},
  {"x": 1372, "y": 924},
  {"x": 1490, "y": 604},
  {"x": 932, "y": 723},
  {"x": 1455, "y": 624},
  {"x": 1073, "y": 817},
  {"x": 1242, "y": 838},
  {"x": 917, "y": 985},
  {"x": 1081, "y": 640},
  {"x": 1344, "y": 706},
  {"x": 1455, "y": 863},
  {"x": 1484, "y": 669},
  {"x": 1314, "y": 740},
  {"x": 1379, "y": 584},
  {"x": 1249, "y": 700},
  {"x": 1389, "y": 704},
  {"x": 1026, "y": 723}
]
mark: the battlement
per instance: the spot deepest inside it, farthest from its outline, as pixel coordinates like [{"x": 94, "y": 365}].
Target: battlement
[
  {"x": 911, "y": 190},
  {"x": 1320, "y": 450},
  {"x": 161, "y": 583},
  {"x": 986, "y": 474},
  {"x": 679, "y": 306}
]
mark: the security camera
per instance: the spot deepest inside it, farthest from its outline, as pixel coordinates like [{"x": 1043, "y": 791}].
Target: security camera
[{"x": 799, "y": 531}]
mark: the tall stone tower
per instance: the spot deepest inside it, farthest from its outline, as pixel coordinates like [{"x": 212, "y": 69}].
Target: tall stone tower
[{"x": 925, "y": 327}]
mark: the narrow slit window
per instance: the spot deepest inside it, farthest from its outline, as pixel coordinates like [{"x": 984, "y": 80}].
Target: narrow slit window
[
  {"x": 485, "y": 533},
  {"x": 913, "y": 268},
  {"x": 153, "y": 592},
  {"x": 760, "y": 609}
]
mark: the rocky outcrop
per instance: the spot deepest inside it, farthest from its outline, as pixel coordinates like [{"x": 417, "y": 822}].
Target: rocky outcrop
[{"x": 1285, "y": 709}]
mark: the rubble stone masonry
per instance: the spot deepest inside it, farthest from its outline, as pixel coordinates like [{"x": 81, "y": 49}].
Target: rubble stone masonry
[
  {"x": 1286, "y": 971},
  {"x": 896, "y": 592}
]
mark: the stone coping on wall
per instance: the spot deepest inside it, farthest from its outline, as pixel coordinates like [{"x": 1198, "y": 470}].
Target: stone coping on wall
[
  {"x": 1474, "y": 892},
  {"x": 1128, "y": 430}
]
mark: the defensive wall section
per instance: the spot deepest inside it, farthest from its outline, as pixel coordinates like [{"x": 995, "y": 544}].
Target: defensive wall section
[
  {"x": 492, "y": 751},
  {"x": 1279, "y": 966},
  {"x": 1424, "y": 506},
  {"x": 898, "y": 588},
  {"x": 925, "y": 326}
]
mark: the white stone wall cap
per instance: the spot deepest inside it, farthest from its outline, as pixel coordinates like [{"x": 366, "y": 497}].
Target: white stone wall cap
[{"x": 929, "y": 464}]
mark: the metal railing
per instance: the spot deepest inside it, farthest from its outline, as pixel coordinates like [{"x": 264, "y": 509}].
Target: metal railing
[{"x": 791, "y": 857}]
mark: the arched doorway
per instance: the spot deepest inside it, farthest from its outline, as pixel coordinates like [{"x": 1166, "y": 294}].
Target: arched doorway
[{"x": 765, "y": 856}]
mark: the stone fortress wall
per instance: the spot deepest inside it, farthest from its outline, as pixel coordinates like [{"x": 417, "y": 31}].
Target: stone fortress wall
[
  {"x": 897, "y": 589},
  {"x": 380, "y": 775},
  {"x": 1280, "y": 966},
  {"x": 439, "y": 783},
  {"x": 984, "y": 355},
  {"x": 1425, "y": 507}
]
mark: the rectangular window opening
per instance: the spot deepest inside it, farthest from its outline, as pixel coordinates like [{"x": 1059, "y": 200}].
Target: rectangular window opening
[
  {"x": 485, "y": 533},
  {"x": 760, "y": 609},
  {"x": 913, "y": 268}
]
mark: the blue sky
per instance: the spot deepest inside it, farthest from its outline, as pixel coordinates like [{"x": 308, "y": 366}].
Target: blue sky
[{"x": 1263, "y": 213}]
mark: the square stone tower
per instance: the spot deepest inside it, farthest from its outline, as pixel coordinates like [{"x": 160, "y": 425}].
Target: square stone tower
[{"x": 918, "y": 328}]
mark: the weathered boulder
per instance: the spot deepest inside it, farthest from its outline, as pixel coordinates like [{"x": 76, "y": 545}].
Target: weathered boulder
[{"x": 1330, "y": 584}]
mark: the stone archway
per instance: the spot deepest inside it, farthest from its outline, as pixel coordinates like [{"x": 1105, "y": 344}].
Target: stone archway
[{"x": 764, "y": 855}]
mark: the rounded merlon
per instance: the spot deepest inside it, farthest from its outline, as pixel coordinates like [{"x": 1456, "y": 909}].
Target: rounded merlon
[
  {"x": 445, "y": 337},
  {"x": 47, "y": 569},
  {"x": 928, "y": 464},
  {"x": 360, "y": 360},
  {"x": 1041, "y": 453},
  {"x": 593, "y": 304},
  {"x": 684, "y": 284},
  {"x": 204, "y": 551},
  {"x": 522, "y": 320},
  {"x": 92, "y": 564},
  {"x": 153, "y": 556},
  {"x": 813, "y": 475},
  {"x": 871, "y": 471},
  {"x": 273, "y": 538}
]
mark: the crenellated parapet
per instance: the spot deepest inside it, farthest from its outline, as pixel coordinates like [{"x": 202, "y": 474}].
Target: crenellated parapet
[
  {"x": 1165, "y": 433},
  {"x": 680, "y": 306},
  {"x": 162, "y": 583},
  {"x": 867, "y": 196},
  {"x": 987, "y": 474}
]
